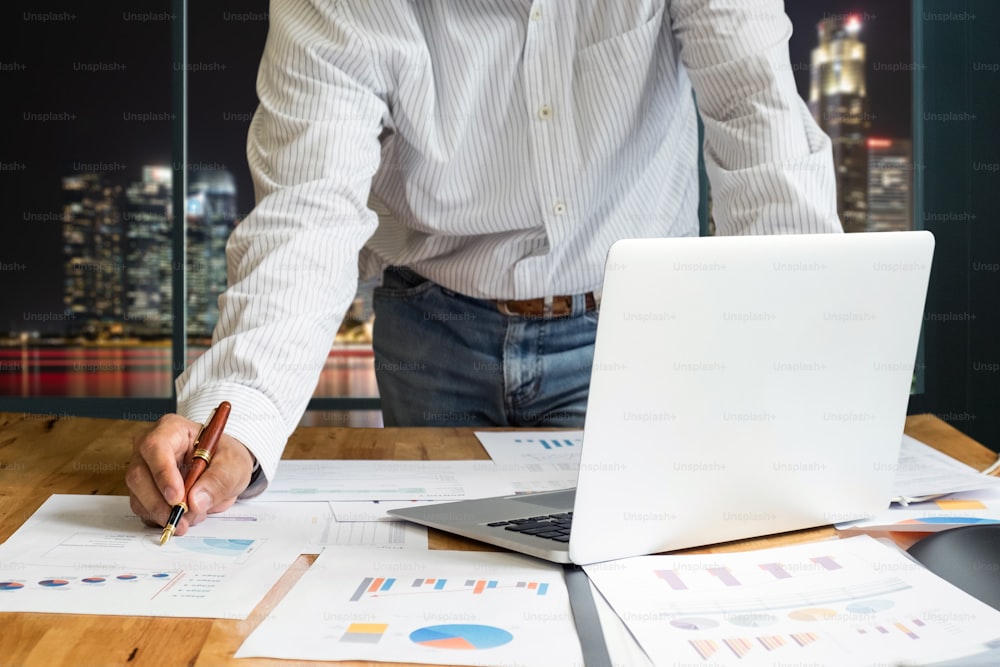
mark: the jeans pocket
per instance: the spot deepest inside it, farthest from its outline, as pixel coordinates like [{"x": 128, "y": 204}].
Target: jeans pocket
[{"x": 401, "y": 283}]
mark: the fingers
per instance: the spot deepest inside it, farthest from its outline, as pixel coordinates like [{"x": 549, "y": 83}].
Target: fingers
[
  {"x": 154, "y": 478},
  {"x": 156, "y": 482}
]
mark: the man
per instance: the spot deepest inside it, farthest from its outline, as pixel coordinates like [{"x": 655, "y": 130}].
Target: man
[{"x": 506, "y": 145}]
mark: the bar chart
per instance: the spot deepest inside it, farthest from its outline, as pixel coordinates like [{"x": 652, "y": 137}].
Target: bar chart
[
  {"x": 373, "y": 587},
  {"x": 853, "y": 601}
]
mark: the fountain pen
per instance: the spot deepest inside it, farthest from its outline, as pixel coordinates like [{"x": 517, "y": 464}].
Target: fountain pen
[{"x": 204, "y": 446}]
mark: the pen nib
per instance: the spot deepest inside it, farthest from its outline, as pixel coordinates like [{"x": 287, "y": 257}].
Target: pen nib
[{"x": 168, "y": 531}]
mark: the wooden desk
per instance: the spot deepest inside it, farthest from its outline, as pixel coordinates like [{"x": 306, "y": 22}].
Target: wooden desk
[{"x": 42, "y": 454}]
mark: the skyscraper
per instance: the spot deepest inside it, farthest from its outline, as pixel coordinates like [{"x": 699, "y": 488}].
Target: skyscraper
[
  {"x": 93, "y": 253},
  {"x": 148, "y": 276},
  {"x": 838, "y": 101},
  {"x": 211, "y": 214},
  {"x": 118, "y": 253},
  {"x": 890, "y": 184}
]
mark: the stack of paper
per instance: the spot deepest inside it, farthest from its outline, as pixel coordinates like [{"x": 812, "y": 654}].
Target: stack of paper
[
  {"x": 933, "y": 492},
  {"x": 923, "y": 473}
]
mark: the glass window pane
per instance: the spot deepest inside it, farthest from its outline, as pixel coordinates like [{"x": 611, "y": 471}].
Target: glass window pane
[
  {"x": 86, "y": 172},
  {"x": 225, "y": 41},
  {"x": 852, "y": 64}
]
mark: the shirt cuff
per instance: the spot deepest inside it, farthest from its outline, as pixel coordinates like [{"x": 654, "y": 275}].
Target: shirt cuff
[
  {"x": 254, "y": 421},
  {"x": 258, "y": 483}
]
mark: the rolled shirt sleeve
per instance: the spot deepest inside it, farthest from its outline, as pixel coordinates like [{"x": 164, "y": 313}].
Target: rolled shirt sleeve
[
  {"x": 313, "y": 148},
  {"x": 769, "y": 164}
]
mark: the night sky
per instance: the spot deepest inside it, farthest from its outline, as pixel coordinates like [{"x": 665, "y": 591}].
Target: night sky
[{"x": 90, "y": 83}]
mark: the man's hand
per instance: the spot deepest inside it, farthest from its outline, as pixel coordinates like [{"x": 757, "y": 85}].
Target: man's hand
[{"x": 155, "y": 475}]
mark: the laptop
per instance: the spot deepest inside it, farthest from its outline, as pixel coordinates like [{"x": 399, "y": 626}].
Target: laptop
[{"x": 741, "y": 386}]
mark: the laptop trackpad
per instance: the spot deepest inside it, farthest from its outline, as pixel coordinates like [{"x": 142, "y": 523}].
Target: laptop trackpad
[{"x": 555, "y": 500}]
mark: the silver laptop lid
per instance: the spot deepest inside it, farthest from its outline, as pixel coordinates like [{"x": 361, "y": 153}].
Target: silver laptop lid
[{"x": 746, "y": 385}]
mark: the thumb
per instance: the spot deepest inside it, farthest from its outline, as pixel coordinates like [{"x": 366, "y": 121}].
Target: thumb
[
  {"x": 225, "y": 478},
  {"x": 202, "y": 497}
]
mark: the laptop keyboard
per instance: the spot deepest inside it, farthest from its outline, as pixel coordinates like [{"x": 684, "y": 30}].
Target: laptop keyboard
[{"x": 549, "y": 526}]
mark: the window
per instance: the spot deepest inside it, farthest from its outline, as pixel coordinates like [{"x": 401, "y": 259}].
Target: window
[
  {"x": 853, "y": 66},
  {"x": 221, "y": 102},
  {"x": 87, "y": 203},
  {"x": 93, "y": 322},
  {"x": 93, "y": 291}
]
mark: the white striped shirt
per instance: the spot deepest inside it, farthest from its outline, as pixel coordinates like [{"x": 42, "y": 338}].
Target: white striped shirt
[{"x": 506, "y": 144}]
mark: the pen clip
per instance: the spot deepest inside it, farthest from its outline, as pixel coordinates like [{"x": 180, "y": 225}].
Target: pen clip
[{"x": 204, "y": 426}]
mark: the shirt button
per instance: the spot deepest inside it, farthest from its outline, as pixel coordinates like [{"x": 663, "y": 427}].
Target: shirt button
[
  {"x": 536, "y": 14},
  {"x": 545, "y": 112},
  {"x": 559, "y": 207}
]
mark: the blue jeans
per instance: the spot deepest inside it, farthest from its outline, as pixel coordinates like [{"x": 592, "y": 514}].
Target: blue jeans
[{"x": 445, "y": 359}]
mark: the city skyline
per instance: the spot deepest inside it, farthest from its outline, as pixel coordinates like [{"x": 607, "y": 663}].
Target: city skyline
[
  {"x": 116, "y": 251},
  {"x": 221, "y": 100}
]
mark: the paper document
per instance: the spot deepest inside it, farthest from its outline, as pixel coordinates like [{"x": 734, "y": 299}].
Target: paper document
[
  {"x": 839, "y": 602},
  {"x": 335, "y": 480},
  {"x": 949, "y": 511},
  {"x": 71, "y": 558},
  {"x": 385, "y": 534},
  {"x": 440, "y": 607},
  {"x": 622, "y": 647},
  {"x": 90, "y": 554},
  {"x": 347, "y": 511},
  {"x": 312, "y": 525},
  {"x": 339, "y": 481},
  {"x": 305, "y": 527},
  {"x": 535, "y": 461},
  {"x": 528, "y": 447},
  {"x": 923, "y": 472}
]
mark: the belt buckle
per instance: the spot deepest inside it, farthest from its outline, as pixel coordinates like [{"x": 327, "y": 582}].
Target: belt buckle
[
  {"x": 503, "y": 307},
  {"x": 525, "y": 307}
]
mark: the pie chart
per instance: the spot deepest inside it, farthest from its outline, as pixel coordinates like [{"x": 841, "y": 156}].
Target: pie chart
[
  {"x": 813, "y": 614},
  {"x": 11, "y": 585},
  {"x": 870, "y": 606},
  {"x": 53, "y": 582},
  {"x": 461, "y": 637},
  {"x": 694, "y": 623}
]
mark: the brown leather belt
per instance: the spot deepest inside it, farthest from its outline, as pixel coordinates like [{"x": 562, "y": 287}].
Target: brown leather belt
[{"x": 561, "y": 306}]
